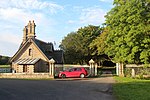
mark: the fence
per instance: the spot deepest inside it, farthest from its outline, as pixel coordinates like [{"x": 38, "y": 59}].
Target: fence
[
  {"x": 132, "y": 70},
  {"x": 5, "y": 70}
]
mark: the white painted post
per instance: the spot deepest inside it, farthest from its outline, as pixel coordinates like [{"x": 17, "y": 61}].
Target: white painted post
[
  {"x": 53, "y": 69},
  {"x": 50, "y": 66},
  {"x": 117, "y": 68},
  {"x": 91, "y": 62},
  {"x": 96, "y": 69},
  {"x": 121, "y": 70},
  {"x": 133, "y": 73},
  {"x": 90, "y": 69},
  {"x": 13, "y": 67},
  {"x": 52, "y": 61}
]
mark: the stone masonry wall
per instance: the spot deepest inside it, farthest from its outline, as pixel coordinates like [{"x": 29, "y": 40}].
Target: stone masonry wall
[{"x": 26, "y": 76}]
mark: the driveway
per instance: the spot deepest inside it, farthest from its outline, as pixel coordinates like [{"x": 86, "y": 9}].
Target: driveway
[{"x": 58, "y": 89}]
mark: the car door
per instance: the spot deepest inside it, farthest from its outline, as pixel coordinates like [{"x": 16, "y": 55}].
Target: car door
[
  {"x": 71, "y": 72},
  {"x": 76, "y": 72}
]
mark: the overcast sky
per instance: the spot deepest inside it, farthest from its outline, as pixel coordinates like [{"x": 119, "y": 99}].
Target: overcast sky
[{"x": 54, "y": 19}]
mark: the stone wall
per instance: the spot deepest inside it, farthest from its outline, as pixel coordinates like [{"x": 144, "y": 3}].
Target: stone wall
[
  {"x": 26, "y": 76},
  {"x": 133, "y": 70}
]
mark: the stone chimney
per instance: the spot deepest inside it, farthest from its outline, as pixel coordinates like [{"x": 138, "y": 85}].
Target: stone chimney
[
  {"x": 33, "y": 27},
  {"x": 31, "y": 30},
  {"x": 25, "y": 34}
]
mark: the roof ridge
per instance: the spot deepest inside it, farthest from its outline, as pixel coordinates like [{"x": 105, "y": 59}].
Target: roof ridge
[{"x": 41, "y": 41}]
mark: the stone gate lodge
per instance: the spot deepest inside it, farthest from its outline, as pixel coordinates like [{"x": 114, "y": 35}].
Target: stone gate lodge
[{"x": 34, "y": 55}]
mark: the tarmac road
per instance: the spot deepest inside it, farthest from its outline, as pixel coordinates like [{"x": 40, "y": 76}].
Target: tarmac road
[{"x": 58, "y": 89}]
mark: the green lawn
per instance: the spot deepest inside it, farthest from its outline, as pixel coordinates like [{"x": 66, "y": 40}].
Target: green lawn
[
  {"x": 131, "y": 89},
  {"x": 4, "y": 65}
]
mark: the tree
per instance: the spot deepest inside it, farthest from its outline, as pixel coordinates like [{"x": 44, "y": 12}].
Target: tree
[
  {"x": 4, "y": 60},
  {"x": 87, "y": 35},
  {"x": 128, "y": 39},
  {"x": 70, "y": 45},
  {"x": 98, "y": 45},
  {"x": 76, "y": 44}
]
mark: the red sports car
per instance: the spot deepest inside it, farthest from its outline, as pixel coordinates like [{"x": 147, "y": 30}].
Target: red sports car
[{"x": 74, "y": 72}]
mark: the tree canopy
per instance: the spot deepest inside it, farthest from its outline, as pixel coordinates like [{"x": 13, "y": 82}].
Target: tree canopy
[
  {"x": 98, "y": 45},
  {"x": 128, "y": 39},
  {"x": 76, "y": 44},
  {"x": 125, "y": 37},
  {"x": 4, "y": 60},
  {"x": 70, "y": 45}
]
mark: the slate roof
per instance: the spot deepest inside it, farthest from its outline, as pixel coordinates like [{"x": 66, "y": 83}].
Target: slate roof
[{"x": 48, "y": 50}]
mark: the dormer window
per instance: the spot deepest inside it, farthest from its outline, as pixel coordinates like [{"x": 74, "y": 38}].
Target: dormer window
[{"x": 30, "y": 52}]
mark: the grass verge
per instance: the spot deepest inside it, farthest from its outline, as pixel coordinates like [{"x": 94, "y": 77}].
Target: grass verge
[
  {"x": 1, "y": 66},
  {"x": 131, "y": 89}
]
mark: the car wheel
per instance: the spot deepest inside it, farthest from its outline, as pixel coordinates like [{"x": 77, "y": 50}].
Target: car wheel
[
  {"x": 63, "y": 76},
  {"x": 82, "y": 75}
]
